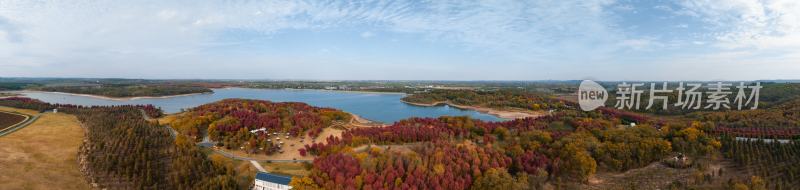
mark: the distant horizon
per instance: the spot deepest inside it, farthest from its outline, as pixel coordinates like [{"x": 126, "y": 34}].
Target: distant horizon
[{"x": 399, "y": 80}]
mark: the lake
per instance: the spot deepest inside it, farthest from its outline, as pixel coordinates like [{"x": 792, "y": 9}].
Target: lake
[{"x": 381, "y": 107}]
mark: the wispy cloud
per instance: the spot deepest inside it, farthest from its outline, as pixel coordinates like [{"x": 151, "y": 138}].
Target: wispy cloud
[
  {"x": 112, "y": 38},
  {"x": 498, "y": 25},
  {"x": 750, "y": 23}
]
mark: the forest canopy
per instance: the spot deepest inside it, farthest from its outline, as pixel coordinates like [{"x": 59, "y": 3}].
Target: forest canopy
[
  {"x": 502, "y": 99},
  {"x": 236, "y": 122}
]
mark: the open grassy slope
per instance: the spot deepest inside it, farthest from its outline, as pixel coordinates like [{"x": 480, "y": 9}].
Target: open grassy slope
[{"x": 42, "y": 155}]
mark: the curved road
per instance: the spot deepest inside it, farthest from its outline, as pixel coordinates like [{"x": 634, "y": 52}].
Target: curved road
[{"x": 30, "y": 119}]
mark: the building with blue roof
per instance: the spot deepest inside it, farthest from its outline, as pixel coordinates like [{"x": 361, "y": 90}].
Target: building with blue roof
[{"x": 268, "y": 181}]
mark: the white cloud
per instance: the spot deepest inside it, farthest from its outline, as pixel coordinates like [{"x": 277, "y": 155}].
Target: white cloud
[
  {"x": 500, "y": 25},
  {"x": 766, "y": 24}
]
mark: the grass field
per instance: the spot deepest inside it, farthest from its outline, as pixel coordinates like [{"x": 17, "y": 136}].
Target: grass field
[
  {"x": 24, "y": 111},
  {"x": 42, "y": 155},
  {"x": 286, "y": 168}
]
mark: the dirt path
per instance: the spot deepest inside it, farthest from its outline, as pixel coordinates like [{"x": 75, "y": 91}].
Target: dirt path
[
  {"x": 258, "y": 166},
  {"x": 24, "y": 123}
]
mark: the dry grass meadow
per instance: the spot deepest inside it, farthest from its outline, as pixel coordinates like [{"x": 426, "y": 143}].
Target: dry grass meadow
[{"x": 42, "y": 155}]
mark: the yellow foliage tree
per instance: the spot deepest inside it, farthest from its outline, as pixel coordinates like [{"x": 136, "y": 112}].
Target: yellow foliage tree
[{"x": 303, "y": 183}]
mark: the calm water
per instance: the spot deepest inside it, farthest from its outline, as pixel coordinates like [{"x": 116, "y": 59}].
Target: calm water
[{"x": 380, "y": 107}]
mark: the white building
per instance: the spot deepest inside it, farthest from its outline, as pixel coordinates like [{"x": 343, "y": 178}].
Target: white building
[
  {"x": 254, "y": 131},
  {"x": 268, "y": 181}
]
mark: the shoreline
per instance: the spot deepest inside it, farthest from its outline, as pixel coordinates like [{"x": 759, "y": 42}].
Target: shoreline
[
  {"x": 366, "y": 92},
  {"x": 116, "y": 98},
  {"x": 342, "y": 91},
  {"x": 358, "y": 121},
  {"x": 504, "y": 114},
  {"x": 190, "y": 94}
]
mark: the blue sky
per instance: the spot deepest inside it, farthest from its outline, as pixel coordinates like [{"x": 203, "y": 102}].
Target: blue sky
[{"x": 402, "y": 40}]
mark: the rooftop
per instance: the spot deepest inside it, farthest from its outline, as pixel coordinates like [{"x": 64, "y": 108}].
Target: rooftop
[{"x": 279, "y": 179}]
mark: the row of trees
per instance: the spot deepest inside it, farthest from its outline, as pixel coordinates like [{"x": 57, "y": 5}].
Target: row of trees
[
  {"x": 129, "y": 90},
  {"x": 122, "y": 147},
  {"x": 759, "y": 132},
  {"x": 778, "y": 163},
  {"x": 786, "y": 114},
  {"x": 34, "y": 104}
]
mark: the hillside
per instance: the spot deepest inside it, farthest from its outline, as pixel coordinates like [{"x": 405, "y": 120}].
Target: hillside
[{"x": 257, "y": 126}]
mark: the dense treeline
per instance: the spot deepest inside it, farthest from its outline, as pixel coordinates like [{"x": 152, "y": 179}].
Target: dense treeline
[
  {"x": 125, "y": 90},
  {"x": 777, "y": 93},
  {"x": 760, "y": 132},
  {"x": 15, "y": 85},
  {"x": 431, "y": 166},
  {"x": 34, "y": 104},
  {"x": 778, "y": 163},
  {"x": 428, "y": 129},
  {"x": 780, "y": 121},
  {"x": 564, "y": 146},
  {"x": 230, "y": 122},
  {"x": 504, "y": 98},
  {"x": 123, "y": 147},
  {"x": 192, "y": 169},
  {"x": 124, "y": 151},
  {"x": 786, "y": 114}
]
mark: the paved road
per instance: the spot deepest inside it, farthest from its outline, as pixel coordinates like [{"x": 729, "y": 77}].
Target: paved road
[{"x": 25, "y": 123}]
